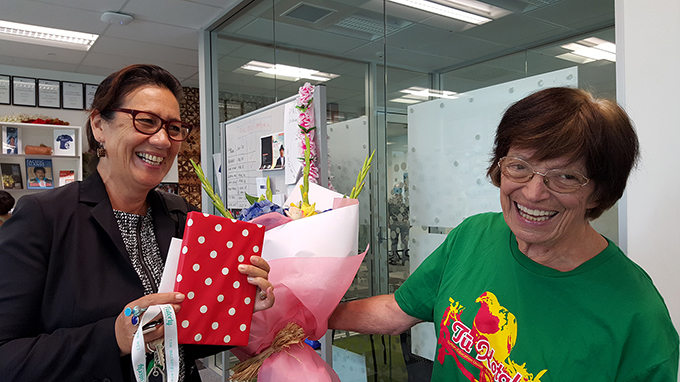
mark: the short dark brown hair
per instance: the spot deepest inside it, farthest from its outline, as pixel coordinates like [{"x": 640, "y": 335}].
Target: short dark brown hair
[
  {"x": 567, "y": 122},
  {"x": 113, "y": 90}
]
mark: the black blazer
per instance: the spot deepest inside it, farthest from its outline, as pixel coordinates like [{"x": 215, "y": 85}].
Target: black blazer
[{"x": 65, "y": 275}]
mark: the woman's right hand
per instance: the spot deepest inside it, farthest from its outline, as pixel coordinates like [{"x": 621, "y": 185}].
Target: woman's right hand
[{"x": 125, "y": 330}]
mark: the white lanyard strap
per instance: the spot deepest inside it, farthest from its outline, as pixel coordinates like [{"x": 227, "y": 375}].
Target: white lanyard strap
[{"x": 171, "y": 346}]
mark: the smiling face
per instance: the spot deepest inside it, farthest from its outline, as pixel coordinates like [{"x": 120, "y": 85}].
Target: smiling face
[
  {"x": 134, "y": 160},
  {"x": 540, "y": 216}
]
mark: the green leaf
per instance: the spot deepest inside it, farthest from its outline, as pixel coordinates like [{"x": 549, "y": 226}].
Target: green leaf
[
  {"x": 356, "y": 190},
  {"x": 251, "y": 199},
  {"x": 269, "y": 190},
  {"x": 216, "y": 201}
]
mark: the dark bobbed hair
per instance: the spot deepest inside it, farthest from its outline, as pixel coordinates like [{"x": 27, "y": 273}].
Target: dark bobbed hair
[
  {"x": 572, "y": 123},
  {"x": 113, "y": 90},
  {"x": 6, "y": 202}
]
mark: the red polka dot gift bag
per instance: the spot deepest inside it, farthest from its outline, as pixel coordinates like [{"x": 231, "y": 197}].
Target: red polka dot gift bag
[{"x": 219, "y": 301}]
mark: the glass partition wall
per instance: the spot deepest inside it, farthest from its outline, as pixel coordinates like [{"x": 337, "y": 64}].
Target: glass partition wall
[{"x": 376, "y": 58}]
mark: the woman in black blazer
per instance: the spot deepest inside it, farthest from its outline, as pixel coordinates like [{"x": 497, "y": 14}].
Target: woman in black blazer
[{"x": 72, "y": 259}]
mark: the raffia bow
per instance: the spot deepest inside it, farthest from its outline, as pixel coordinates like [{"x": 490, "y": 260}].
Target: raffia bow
[{"x": 247, "y": 370}]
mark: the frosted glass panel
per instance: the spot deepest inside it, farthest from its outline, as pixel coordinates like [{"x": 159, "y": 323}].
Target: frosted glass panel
[
  {"x": 450, "y": 142},
  {"x": 347, "y": 148}
]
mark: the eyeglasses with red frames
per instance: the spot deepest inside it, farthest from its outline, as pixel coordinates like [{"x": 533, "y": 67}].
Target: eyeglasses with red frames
[
  {"x": 149, "y": 123},
  {"x": 562, "y": 181}
]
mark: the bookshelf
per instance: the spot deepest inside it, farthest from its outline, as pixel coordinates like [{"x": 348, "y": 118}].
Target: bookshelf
[{"x": 36, "y": 134}]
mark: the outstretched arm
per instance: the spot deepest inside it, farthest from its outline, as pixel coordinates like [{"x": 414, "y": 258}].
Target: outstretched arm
[{"x": 374, "y": 315}]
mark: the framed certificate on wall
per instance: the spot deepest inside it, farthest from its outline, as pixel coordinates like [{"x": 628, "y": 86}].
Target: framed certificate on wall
[
  {"x": 23, "y": 91},
  {"x": 90, "y": 90},
  {"x": 49, "y": 94},
  {"x": 5, "y": 90},
  {"x": 72, "y": 96}
]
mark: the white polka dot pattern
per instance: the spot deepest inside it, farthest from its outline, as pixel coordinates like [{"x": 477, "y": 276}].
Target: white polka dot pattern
[{"x": 218, "y": 308}]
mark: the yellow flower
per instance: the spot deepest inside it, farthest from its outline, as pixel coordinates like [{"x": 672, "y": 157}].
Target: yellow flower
[{"x": 308, "y": 210}]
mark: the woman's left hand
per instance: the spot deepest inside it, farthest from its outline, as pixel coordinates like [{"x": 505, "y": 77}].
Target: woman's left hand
[{"x": 258, "y": 274}]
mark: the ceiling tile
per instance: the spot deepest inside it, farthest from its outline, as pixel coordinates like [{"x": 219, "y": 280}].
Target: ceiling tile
[
  {"x": 173, "y": 12},
  {"x": 156, "y": 33},
  {"x": 90, "y": 5},
  {"x": 53, "y": 16},
  {"x": 37, "y": 64},
  {"x": 145, "y": 51},
  {"x": 42, "y": 52}
]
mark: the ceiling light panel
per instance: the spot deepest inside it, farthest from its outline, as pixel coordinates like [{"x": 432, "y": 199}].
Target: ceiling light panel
[
  {"x": 46, "y": 36},
  {"x": 286, "y": 72},
  {"x": 439, "y": 9},
  {"x": 591, "y": 48}
]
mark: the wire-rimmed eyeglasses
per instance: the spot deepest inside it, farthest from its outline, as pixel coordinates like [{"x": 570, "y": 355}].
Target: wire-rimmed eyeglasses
[
  {"x": 558, "y": 180},
  {"x": 149, "y": 123}
]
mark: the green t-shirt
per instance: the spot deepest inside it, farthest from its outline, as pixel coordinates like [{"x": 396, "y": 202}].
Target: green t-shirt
[{"x": 500, "y": 316}]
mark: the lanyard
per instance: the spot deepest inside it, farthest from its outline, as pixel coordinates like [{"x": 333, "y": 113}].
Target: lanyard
[{"x": 171, "y": 348}]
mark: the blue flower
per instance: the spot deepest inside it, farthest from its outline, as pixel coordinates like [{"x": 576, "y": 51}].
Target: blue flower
[{"x": 259, "y": 208}]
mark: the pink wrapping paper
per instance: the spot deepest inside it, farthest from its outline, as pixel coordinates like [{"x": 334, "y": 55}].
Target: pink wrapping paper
[{"x": 313, "y": 262}]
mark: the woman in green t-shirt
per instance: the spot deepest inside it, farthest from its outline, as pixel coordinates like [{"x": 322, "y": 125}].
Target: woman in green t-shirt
[{"x": 535, "y": 293}]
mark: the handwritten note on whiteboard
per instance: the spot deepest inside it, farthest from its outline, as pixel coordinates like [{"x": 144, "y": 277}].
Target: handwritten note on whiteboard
[{"x": 243, "y": 158}]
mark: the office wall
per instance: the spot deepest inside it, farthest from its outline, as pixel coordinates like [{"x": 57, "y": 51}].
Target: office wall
[
  {"x": 647, "y": 86},
  {"x": 74, "y": 117}
]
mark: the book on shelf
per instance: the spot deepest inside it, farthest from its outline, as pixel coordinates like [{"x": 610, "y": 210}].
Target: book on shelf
[
  {"x": 11, "y": 140},
  {"x": 66, "y": 177},
  {"x": 11, "y": 176},
  {"x": 64, "y": 142},
  {"x": 39, "y": 174}
]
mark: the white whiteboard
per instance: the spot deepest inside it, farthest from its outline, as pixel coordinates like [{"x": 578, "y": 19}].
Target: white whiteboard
[{"x": 242, "y": 143}]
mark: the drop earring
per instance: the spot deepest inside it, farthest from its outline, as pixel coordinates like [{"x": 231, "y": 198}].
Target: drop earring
[{"x": 101, "y": 151}]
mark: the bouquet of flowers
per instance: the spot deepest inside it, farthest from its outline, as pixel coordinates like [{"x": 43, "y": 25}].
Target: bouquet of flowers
[{"x": 311, "y": 244}]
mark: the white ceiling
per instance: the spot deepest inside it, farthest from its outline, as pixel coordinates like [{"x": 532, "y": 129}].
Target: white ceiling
[{"x": 165, "y": 32}]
